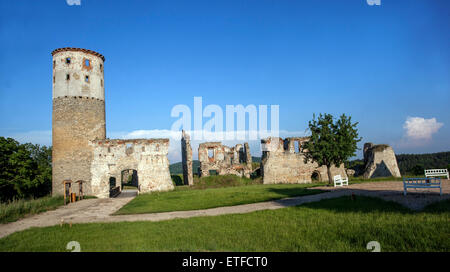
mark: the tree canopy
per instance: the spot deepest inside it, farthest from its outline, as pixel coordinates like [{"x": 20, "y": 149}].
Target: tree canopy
[
  {"x": 25, "y": 170},
  {"x": 332, "y": 142}
]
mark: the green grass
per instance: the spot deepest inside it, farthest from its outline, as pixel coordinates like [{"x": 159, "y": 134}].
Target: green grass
[
  {"x": 188, "y": 199},
  {"x": 339, "y": 224},
  {"x": 14, "y": 210}
]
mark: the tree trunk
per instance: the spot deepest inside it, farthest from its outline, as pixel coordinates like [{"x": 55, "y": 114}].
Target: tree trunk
[{"x": 330, "y": 179}]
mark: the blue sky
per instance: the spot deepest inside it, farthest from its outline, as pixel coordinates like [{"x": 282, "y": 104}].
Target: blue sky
[{"x": 387, "y": 66}]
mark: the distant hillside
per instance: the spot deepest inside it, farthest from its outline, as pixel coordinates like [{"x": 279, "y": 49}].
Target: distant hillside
[
  {"x": 177, "y": 168},
  {"x": 407, "y": 162},
  {"x": 412, "y": 163}
]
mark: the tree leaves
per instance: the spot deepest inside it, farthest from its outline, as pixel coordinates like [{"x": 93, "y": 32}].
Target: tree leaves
[
  {"x": 25, "y": 170},
  {"x": 331, "y": 142}
]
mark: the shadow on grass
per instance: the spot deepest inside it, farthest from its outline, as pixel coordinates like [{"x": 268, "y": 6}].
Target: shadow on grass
[{"x": 358, "y": 200}]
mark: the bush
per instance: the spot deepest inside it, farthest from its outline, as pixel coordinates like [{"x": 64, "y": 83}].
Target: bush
[{"x": 177, "y": 180}]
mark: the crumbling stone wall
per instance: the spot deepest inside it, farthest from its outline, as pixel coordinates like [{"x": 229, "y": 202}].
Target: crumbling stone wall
[
  {"x": 147, "y": 156},
  {"x": 224, "y": 160},
  {"x": 380, "y": 161},
  {"x": 186, "y": 159},
  {"x": 283, "y": 162}
]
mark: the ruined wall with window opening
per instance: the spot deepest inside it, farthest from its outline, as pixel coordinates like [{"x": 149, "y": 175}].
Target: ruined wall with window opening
[
  {"x": 283, "y": 162},
  {"x": 219, "y": 159}
]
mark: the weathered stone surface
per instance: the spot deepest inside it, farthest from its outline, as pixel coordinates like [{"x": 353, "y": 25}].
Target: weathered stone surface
[
  {"x": 283, "y": 162},
  {"x": 380, "y": 161},
  {"x": 186, "y": 159},
  {"x": 80, "y": 150},
  {"x": 147, "y": 156},
  {"x": 350, "y": 172},
  {"x": 214, "y": 156}
]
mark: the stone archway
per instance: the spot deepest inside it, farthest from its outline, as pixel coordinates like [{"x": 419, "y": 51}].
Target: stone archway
[
  {"x": 148, "y": 157},
  {"x": 316, "y": 176}
]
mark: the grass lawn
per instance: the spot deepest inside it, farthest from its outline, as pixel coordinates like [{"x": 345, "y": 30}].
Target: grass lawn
[
  {"x": 339, "y": 224},
  {"x": 17, "y": 209},
  {"x": 185, "y": 198}
]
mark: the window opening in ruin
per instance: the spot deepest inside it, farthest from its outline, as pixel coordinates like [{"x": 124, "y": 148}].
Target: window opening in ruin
[
  {"x": 101, "y": 82},
  {"x": 101, "y": 66},
  {"x": 53, "y": 79},
  {"x": 68, "y": 60},
  {"x": 68, "y": 77},
  {"x": 213, "y": 173},
  {"x": 86, "y": 79},
  {"x": 87, "y": 63},
  {"x": 210, "y": 153},
  {"x": 297, "y": 146}
]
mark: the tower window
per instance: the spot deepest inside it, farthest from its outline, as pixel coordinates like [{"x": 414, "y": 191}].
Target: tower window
[
  {"x": 86, "y": 62},
  {"x": 101, "y": 82},
  {"x": 53, "y": 79},
  {"x": 101, "y": 66},
  {"x": 68, "y": 77},
  {"x": 68, "y": 60},
  {"x": 86, "y": 78}
]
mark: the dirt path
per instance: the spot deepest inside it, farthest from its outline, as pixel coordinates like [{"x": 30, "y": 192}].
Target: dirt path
[{"x": 100, "y": 210}]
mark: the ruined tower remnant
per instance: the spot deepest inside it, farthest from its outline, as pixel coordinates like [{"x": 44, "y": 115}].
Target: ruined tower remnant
[
  {"x": 186, "y": 159},
  {"x": 380, "y": 161},
  {"x": 283, "y": 162},
  {"x": 223, "y": 160},
  {"x": 80, "y": 148},
  {"x": 78, "y": 113}
]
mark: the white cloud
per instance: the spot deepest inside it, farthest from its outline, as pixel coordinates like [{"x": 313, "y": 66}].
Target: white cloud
[
  {"x": 73, "y": 2},
  {"x": 419, "y": 128}
]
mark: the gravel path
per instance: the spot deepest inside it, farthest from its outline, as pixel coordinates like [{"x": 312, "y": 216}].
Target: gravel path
[{"x": 100, "y": 210}]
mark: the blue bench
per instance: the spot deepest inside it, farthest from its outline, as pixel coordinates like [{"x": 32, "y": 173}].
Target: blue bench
[{"x": 425, "y": 183}]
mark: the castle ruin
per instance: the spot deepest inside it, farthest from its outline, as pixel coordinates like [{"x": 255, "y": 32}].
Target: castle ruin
[
  {"x": 219, "y": 159},
  {"x": 380, "y": 161},
  {"x": 283, "y": 161},
  {"x": 81, "y": 150}
]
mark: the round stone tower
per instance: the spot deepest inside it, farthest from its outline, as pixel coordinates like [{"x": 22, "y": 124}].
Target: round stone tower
[{"x": 78, "y": 114}]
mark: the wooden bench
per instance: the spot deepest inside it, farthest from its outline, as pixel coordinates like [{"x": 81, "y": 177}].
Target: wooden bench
[
  {"x": 424, "y": 183},
  {"x": 339, "y": 181},
  {"x": 436, "y": 173}
]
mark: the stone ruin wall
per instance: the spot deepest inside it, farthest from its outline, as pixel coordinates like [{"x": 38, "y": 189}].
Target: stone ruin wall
[
  {"x": 380, "y": 161},
  {"x": 186, "y": 159},
  {"x": 282, "y": 162},
  {"x": 225, "y": 160},
  {"x": 147, "y": 156}
]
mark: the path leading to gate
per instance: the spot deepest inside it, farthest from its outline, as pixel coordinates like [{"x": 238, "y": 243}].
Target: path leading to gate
[{"x": 100, "y": 210}]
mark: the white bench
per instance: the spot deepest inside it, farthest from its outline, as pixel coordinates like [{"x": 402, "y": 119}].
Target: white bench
[
  {"x": 425, "y": 183},
  {"x": 339, "y": 181},
  {"x": 436, "y": 173}
]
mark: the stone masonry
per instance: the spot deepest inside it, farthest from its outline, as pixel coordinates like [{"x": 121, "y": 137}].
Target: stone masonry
[
  {"x": 380, "y": 161},
  {"x": 283, "y": 162},
  {"x": 80, "y": 148},
  {"x": 186, "y": 159},
  {"x": 224, "y": 160}
]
